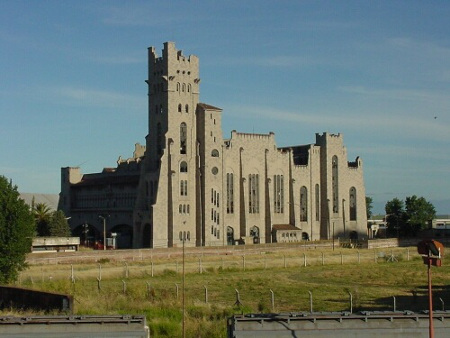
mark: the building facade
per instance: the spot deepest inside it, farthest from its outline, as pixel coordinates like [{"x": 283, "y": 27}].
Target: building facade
[{"x": 189, "y": 184}]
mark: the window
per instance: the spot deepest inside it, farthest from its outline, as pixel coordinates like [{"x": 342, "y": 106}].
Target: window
[
  {"x": 214, "y": 153},
  {"x": 253, "y": 188},
  {"x": 215, "y": 170},
  {"x": 179, "y": 108},
  {"x": 189, "y": 88},
  {"x": 352, "y": 204},
  {"x": 161, "y": 109},
  {"x": 183, "y": 167},
  {"x": 183, "y": 138},
  {"x": 334, "y": 182},
  {"x": 317, "y": 202},
  {"x": 178, "y": 86},
  {"x": 159, "y": 140},
  {"x": 230, "y": 194},
  {"x": 186, "y": 108},
  {"x": 303, "y": 204},
  {"x": 183, "y": 87},
  {"x": 278, "y": 190},
  {"x": 183, "y": 187}
]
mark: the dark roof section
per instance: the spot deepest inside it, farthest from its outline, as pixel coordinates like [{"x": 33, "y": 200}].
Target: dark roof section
[
  {"x": 105, "y": 179},
  {"x": 208, "y": 107},
  {"x": 284, "y": 227}
]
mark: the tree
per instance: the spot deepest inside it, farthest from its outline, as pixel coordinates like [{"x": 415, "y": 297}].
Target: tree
[
  {"x": 16, "y": 231},
  {"x": 419, "y": 212},
  {"x": 58, "y": 225},
  {"x": 42, "y": 215},
  {"x": 395, "y": 216},
  {"x": 369, "y": 206}
]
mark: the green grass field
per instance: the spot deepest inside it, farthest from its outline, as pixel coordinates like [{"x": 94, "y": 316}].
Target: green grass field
[{"x": 155, "y": 288}]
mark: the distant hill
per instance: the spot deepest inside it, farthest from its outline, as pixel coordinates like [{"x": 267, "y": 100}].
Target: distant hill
[{"x": 51, "y": 200}]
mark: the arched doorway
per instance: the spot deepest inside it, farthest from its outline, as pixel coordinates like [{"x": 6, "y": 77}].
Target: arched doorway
[
  {"x": 124, "y": 236},
  {"x": 147, "y": 236},
  {"x": 254, "y": 232},
  {"x": 88, "y": 234},
  {"x": 230, "y": 236}
]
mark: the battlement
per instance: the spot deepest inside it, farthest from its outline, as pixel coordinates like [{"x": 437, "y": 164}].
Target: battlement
[
  {"x": 171, "y": 53},
  {"x": 327, "y": 138}
]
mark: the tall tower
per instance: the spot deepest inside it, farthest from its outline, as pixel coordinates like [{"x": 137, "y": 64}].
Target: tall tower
[{"x": 167, "y": 194}]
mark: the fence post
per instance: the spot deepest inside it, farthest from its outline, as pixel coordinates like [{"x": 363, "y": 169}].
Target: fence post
[
  {"x": 407, "y": 254},
  {"x": 152, "y": 268},
  {"x": 310, "y": 302},
  {"x": 351, "y": 302},
  {"x": 99, "y": 287},
  {"x": 206, "y": 294},
  {"x": 126, "y": 270},
  {"x": 99, "y": 272},
  {"x": 176, "y": 290},
  {"x": 342, "y": 258},
  {"x": 148, "y": 289},
  {"x": 238, "y": 298},
  {"x": 394, "y": 303},
  {"x": 272, "y": 300},
  {"x": 243, "y": 262},
  {"x": 304, "y": 259},
  {"x": 72, "y": 276}
]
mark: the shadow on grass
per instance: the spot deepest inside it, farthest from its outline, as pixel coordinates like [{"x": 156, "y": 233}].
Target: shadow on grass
[{"x": 417, "y": 300}]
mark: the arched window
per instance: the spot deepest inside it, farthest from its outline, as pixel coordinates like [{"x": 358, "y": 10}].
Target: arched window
[
  {"x": 183, "y": 167},
  {"x": 253, "y": 187},
  {"x": 335, "y": 183},
  {"x": 214, "y": 153},
  {"x": 303, "y": 204},
  {"x": 352, "y": 204},
  {"x": 183, "y": 138},
  {"x": 186, "y": 108},
  {"x": 178, "y": 86},
  {"x": 179, "y": 108},
  {"x": 189, "y": 88},
  {"x": 183, "y": 88}
]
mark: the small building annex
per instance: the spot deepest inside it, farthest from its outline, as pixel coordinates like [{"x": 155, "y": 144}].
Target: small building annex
[{"x": 190, "y": 184}]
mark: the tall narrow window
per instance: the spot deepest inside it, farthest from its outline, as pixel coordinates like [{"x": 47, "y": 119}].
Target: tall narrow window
[
  {"x": 303, "y": 204},
  {"x": 183, "y": 138},
  {"x": 230, "y": 193},
  {"x": 352, "y": 204},
  {"x": 183, "y": 187},
  {"x": 186, "y": 108},
  {"x": 159, "y": 139},
  {"x": 317, "y": 202},
  {"x": 335, "y": 183},
  {"x": 179, "y": 108},
  {"x": 278, "y": 190},
  {"x": 253, "y": 188}
]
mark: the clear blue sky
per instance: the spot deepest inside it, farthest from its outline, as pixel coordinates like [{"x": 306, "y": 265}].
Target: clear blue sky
[{"x": 72, "y": 90}]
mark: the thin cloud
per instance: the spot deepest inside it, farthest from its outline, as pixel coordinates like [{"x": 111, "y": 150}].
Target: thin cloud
[{"x": 99, "y": 98}]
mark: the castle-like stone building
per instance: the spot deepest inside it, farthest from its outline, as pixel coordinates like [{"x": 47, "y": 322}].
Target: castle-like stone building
[{"x": 189, "y": 183}]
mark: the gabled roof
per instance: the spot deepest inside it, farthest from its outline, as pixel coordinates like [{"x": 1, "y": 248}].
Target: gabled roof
[
  {"x": 285, "y": 227},
  {"x": 208, "y": 107}
]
